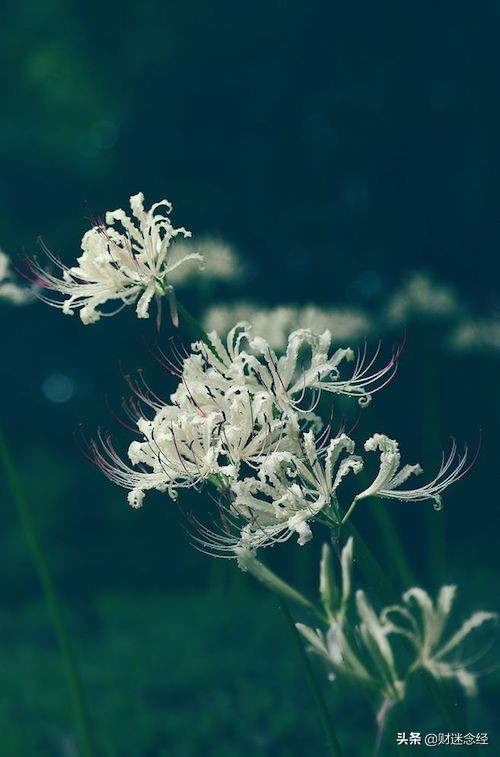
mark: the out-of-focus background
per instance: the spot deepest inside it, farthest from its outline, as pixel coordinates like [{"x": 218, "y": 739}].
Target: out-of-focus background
[{"x": 349, "y": 153}]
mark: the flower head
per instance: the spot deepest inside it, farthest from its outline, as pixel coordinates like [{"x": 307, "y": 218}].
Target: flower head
[
  {"x": 243, "y": 420},
  {"x": 290, "y": 489},
  {"x": 126, "y": 259}
]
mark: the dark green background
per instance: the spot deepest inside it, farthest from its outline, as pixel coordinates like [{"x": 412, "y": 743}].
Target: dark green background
[{"x": 337, "y": 145}]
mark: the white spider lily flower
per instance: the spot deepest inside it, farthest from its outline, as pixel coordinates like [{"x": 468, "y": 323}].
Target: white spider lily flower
[
  {"x": 181, "y": 454},
  {"x": 423, "y": 622},
  {"x": 390, "y": 476},
  {"x": 292, "y": 373},
  {"x": 211, "y": 426},
  {"x": 10, "y": 291},
  {"x": 308, "y": 364},
  {"x": 126, "y": 260},
  {"x": 292, "y": 488},
  {"x": 184, "y": 446},
  {"x": 233, "y": 362},
  {"x": 237, "y": 408},
  {"x": 307, "y": 367}
]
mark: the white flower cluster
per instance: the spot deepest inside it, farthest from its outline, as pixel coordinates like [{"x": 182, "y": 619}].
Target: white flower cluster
[
  {"x": 9, "y": 290},
  {"x": 130, "y": 264},
  {"x": 244, "y": 420},
  {"x": 362, "y": 649}
]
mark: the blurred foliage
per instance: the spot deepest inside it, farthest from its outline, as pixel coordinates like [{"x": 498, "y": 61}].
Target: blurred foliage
[{"x": 337, "y": 146}]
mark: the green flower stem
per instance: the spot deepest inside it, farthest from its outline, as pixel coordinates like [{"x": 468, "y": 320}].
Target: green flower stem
[
  {"x": 391, "y": 542},
  {"x": 276, "y": 584},
  {"x": 392, "y": 545},
  {"x": 324, "y": 716},
  {"x": 349, "y": 511},
  {"x": 195, "y": 327},
  {"x": 373, "y": 572},
  {"x": 73, "y": 677}
]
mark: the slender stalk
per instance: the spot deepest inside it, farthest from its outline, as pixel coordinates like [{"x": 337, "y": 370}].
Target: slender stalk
[
  {"x": 373, "y": 572},
  {"x": 392, "y": 545},
  {"x": 324, "y": 717},
  {"x": 195, "y": 327},
  {"x": 391, "y": 541},
  {"x": 276, "y": 584},
  {"x": 349, "y": 511},
  {"x": 72, "y": 674}
]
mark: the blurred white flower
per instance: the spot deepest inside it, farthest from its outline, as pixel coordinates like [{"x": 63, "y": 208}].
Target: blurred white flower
[
  {"x": 476, "y": 335},
  {"x": 423, "y": 622},
  {"x": 131, "y": 265},
  {"x": 420, "y": 297},
  {"x": 9, "y": 290},
  {"x": 222, "y": 262},
  {"x": 275, "y": 324}
]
